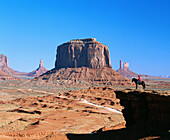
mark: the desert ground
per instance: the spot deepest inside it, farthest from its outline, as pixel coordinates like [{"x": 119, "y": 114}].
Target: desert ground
[{"x": 33, "y": 110}]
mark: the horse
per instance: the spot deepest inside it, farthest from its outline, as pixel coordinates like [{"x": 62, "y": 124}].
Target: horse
[{"x": 140, "y": 83}]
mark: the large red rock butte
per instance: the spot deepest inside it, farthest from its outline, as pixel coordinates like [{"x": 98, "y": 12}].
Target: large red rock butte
[
  {"x": 82, "y": 52},
  {"x": 84, "y": 61}
]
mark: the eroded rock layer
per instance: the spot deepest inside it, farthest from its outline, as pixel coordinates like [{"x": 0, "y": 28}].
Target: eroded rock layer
[{"x": 88, "y": 76}]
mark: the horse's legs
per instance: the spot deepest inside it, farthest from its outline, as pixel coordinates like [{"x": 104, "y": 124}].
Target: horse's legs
[
  {"x": 136, "y": 85},
  {"x": 143, "y": 84}
]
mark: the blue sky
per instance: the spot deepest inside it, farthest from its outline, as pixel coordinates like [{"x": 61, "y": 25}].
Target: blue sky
[{"x": 136, "y": 31}]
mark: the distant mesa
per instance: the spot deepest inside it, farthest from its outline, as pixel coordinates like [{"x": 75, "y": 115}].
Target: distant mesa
[
  {"x": 4, "y": 67},
  {"x": 124, "y": 70},
  {"x": 84, "y": 61}
]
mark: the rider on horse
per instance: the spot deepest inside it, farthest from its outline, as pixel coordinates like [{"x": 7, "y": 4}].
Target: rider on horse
[{"x": 139, "y": 79}]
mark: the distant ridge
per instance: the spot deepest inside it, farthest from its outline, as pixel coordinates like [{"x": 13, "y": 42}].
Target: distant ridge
[{"x": 4, "y": 66}]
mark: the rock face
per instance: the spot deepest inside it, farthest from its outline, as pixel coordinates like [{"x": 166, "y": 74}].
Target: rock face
[
  {"x": 146, "y": 109},
  {"x": 82, "y": 52},
  {"x": 39, "y": 71},
  {"x": 4, "y": 62}
]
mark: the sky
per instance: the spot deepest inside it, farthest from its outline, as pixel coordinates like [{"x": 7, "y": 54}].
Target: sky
[{"x": 135, "y": 31}]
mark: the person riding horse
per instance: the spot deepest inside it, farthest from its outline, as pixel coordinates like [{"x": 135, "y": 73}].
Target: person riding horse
[{"x": 138, "y": 82}]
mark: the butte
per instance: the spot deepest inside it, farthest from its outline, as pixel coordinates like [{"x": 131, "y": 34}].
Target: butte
[{"x": 84, "y": 61}]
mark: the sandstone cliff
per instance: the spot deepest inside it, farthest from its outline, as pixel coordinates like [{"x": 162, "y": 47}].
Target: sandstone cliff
[{"x": 82, "y": 52}]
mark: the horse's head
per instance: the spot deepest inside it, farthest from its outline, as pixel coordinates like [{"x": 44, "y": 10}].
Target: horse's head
[{"x": 134, "y": 80}]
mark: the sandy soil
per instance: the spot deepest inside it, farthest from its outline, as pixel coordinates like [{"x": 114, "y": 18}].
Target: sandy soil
[{"x": 35, "y": 114}]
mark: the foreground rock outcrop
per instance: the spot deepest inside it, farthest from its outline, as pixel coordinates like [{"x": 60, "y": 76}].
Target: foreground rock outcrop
[
  {"x": 146, "y": 114},
  {"x": 149, "y": 108},
  {"x": 82, "y": 52}
]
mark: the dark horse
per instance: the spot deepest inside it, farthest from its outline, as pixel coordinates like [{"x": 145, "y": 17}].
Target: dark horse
[{"x": 140, "y": 83}]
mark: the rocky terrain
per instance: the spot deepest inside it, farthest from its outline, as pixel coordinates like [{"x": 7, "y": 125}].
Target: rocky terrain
[
  {"x": 6, "y": 76},
  {"x": 92, "y": 113},
  {"x": 81, "y": 112},
  {"x": 146, "y": 114},
  {"x": 85, "y": 76}
]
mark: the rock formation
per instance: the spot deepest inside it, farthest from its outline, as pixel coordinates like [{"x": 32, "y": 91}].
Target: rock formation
[
  {"x": 83, "y": 61},
  {"x": 39, "y": 71},
  {"x": 4, "y": 62},
  {"x": 124, "y": 71},
  {"x": 82, "y": 52},
  {"x": 4, "y": 66}
]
